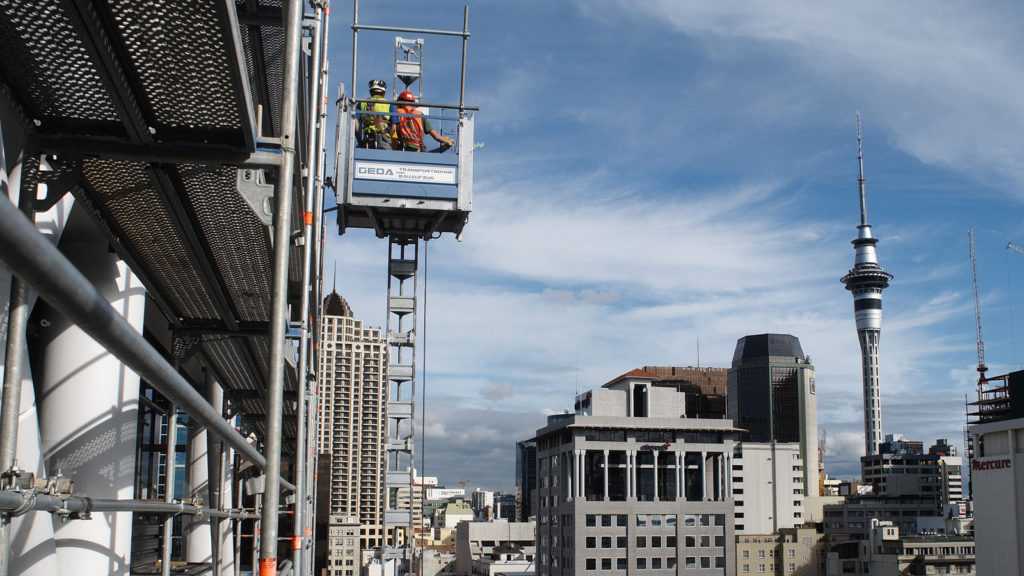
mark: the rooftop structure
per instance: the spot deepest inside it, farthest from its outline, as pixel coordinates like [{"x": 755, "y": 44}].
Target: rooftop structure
[{"x": 866, "y": 280}]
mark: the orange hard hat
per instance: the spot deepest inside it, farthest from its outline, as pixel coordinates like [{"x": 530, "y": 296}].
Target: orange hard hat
[{"x": 407, "y": 96}]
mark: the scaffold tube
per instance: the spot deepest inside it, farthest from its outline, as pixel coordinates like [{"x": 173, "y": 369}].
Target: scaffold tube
[{"x": 11, "y": 500}]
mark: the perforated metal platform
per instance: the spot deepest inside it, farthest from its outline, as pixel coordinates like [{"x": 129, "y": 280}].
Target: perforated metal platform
[{"x": 150, "y": 108}]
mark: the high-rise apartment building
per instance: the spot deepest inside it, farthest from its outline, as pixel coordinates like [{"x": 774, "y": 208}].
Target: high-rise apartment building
[
  {"x": 628, "y": 485},
  {"x": 772, "y": 396},
  {"x": 352, "y": 393},
  {"x": 866, "y": 280},
  {"x": 768, "y": 487}
]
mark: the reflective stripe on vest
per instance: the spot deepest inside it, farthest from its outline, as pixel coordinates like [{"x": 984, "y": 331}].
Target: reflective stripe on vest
[
  {"x": 410, "y": 128},
  {"x": 373, "y": 123}
]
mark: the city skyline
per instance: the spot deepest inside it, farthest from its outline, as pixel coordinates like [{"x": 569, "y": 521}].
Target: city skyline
[{"x": 598, "y": 245}]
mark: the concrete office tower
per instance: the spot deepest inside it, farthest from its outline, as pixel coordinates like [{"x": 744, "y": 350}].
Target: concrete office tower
[
  {"x": 352, "y": 393},
  {"x": 628, "y": 484},
  {"x": 867, "y": 280},
  {"x": 772, "y": 397}
]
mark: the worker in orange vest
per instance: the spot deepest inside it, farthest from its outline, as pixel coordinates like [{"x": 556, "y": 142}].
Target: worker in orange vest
[{"x": 410, "y": 125}]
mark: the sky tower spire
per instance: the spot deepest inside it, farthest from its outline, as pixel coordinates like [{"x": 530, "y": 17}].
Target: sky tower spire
[{"x": 866, "y": 280}]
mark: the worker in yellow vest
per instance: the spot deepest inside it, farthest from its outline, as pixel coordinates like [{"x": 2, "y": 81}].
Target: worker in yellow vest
[
  {"x": 410, "y": 125},
  {"x": 374, "y": 119}
]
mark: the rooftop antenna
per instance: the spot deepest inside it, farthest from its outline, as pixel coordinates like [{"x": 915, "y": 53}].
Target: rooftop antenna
[
  {"x": 860, "y": 177},
  {"x": 335, "y": 287}
]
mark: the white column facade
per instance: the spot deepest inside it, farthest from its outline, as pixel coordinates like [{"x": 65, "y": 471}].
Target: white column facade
[{"x": 88, "y": 408}]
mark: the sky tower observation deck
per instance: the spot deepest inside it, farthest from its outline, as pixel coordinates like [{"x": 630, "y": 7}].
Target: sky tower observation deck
[{"x": 866, "y": 280}]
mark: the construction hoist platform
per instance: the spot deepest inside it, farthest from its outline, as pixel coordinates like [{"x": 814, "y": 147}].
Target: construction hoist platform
[{"x": 408, "y": 197}]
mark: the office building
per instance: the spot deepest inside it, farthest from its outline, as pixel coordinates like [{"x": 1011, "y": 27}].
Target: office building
[
  {"x": 997, "y": 474},
  {"x": 865, "y": 281},
  {"x": 526, "y": 478},
  {"x": 887, "y": 551},
  {"x": 627, "y": 484},
  {"x": 352, "y": 392},
  {"x": 788, "y": 552},
  {"x": 499, "y": 546},
  {"x": 768, "y": 487},
  {"x": 772, "y": 396}
]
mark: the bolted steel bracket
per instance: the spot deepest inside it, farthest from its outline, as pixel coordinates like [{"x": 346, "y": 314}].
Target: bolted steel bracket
[
  {"x": 257, "y": 193},
  {"x": 56, "y": 174}
]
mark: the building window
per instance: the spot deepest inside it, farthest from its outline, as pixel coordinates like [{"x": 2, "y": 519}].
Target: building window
[
  {"x": 621, "y": 542},
  {"x": 591, "y": 563},
  {"x": 641, "y": 563},
  {"x": 790, "y": 553},
  {"x": 606, "y": 542},
  {"x": 641, "y": 541},
  {"x": 621, "y": 564},
  {"x": 655, "y": 541},
  {"x": 621, "y": 520},
  {"x": 606, "y": 563},
  {"x": 591, "y": 520},
  {"x": 591, "y": 542},
  {"x": 691, "y": 561}
]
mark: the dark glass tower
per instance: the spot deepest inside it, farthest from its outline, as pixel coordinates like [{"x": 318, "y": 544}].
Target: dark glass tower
[{"x": 772, "y": 396}]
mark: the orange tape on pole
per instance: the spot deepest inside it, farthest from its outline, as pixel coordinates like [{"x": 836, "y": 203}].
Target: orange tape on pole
[
  {"x": 308, "y": 218},
  {"x": 268, "y": 566},
  {"x": 296, "y": 542}
]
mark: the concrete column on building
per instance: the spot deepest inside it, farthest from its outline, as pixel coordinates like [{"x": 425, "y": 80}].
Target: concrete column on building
[
  {"x": 227, "y": 534},
  {"x": 655, "y": 452},
  {"x": 605, "y": 475},
  {"x": 32, "y": 548},
  {"x": 581, "y": 457},
  {"x": 703, "y": 475},
  {"x": 680, "y": 459},
  {"x": 88, "y": 410},
  {"x": 631, "y": 481},
  {"x": 629, "y": 401},
  {"x": 197, "y": 536}
]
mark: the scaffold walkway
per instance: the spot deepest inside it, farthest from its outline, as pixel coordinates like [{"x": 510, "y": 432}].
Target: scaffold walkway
[{"x": 191, "y": 133}]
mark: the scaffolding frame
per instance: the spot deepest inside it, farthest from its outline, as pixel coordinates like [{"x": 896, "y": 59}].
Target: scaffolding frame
[{"x": 122, "y": 121}]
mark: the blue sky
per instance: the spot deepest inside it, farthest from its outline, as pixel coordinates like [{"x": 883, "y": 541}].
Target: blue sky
[{"x": 657, "y": 173}]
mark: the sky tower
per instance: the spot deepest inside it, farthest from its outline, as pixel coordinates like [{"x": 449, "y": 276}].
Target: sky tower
[{"x": 867, "y": 280}]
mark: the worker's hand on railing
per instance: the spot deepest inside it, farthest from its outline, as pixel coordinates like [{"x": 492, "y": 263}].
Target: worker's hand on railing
[{"x": 446, "y": 143}]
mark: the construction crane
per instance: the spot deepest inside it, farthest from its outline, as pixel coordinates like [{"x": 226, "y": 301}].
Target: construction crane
[
  {"x": 1013, "y": 247},
  {"x": 982, "y": 368},
  {"x": 821, "y": 463},
  {"x": 463, "y": 483}
]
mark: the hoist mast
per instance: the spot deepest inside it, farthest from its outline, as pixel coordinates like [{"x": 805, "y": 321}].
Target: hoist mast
[{"x": 407, "y": 197}]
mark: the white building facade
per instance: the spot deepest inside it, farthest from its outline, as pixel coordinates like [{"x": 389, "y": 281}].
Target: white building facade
[{"x": 768, "y": 487}]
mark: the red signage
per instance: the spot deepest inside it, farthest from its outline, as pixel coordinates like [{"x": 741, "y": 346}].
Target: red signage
[{"x": 990, "y": 464}]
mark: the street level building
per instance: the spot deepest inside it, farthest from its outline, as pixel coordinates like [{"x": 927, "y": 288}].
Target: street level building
[
  {"x": 628, "y": 485},
  {"x": 788, "y": 552},
  {"x": 886, "y": 551},
  {"x": 496, "y": 547},
  {"x": 352, "y": 392},
  {"x": 772, "y": 397},
  {"x": 997, "y": 474}
]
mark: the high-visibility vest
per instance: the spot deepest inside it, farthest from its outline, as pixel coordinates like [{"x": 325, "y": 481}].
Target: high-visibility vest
[
  {"x": 410, "y": 128},
  {"x": 373, "y": 123}
]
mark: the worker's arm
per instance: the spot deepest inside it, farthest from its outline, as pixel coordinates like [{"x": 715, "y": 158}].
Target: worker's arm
[{"x": 444, "y": 140}]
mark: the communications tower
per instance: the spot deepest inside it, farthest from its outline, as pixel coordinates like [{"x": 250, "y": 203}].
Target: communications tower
[{"x": 867, "y": 280}]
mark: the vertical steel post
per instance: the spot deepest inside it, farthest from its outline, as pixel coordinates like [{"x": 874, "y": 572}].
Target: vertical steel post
[
  {"x": 465, "y": 39},
  {"x": 171, "y": 457},
  {"x": 9, "y": 412},
  {"x": 299, "y": 525},
  {"x": 279, "y": 301}
]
